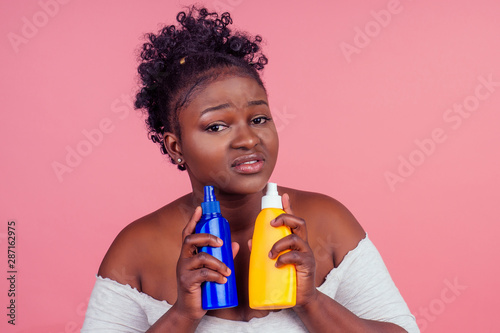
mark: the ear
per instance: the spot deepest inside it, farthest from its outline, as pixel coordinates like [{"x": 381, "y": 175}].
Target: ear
[{"x": 173, "y": 146}]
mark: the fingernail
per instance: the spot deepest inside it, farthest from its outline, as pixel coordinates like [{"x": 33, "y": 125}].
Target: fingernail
[
  {"x": 273, "y": 220},
  {"x": 224, "y": 280},
  {"x": 270, "y": 254},
  {"x": 228, "y": 271},
  {"x": 219, "y": 241}
]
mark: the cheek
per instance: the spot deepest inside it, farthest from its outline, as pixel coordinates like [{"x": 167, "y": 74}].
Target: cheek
[
  {"x": 271, "y": 140},
  {"x": 202, "y": 152}
]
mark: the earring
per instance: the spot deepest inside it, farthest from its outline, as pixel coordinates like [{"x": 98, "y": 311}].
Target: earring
[{"x": 179, "y": 160}]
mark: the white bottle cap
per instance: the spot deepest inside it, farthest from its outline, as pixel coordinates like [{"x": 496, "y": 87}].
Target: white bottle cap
[{"x": 272, "y": 199}]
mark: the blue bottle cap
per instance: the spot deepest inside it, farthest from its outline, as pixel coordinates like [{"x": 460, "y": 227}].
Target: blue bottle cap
[{"x": 209, "y": 204}]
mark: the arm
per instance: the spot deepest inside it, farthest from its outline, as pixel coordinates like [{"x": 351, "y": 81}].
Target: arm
[
  {"x": 361, "y": 294},
  {"x": 114, "y": 305},
  {"x": 320, "y": 313},
  {"x": 121, "y": 265}
]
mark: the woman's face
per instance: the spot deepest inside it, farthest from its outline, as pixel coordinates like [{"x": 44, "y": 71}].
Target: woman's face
[{"x": 228, "y": 138}]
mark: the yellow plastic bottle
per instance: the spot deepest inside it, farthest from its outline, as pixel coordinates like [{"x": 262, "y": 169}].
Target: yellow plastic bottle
[{"x": 270, "y": 287}]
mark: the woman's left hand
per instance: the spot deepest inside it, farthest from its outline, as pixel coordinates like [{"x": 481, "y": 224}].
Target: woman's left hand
[{"x": 300, "y": 254}]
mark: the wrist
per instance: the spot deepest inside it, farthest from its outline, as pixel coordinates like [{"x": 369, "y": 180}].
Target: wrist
[
  {"x": 310, "y": 304},
  {"x": 186, "y": 316},
  {"x": 176, "y": 318}
]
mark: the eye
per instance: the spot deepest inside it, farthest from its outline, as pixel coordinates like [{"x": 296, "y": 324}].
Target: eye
[
  {"x": 260, "y": 120},
  {"x": 216, "y": 127}
]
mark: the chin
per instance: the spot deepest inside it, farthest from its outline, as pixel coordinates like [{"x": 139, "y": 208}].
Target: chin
[{"x": 246, "y": 185}]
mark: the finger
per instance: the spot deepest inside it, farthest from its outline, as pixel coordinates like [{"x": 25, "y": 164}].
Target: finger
[
  {"x": 296, "y": 224},
  {"x": 292, "y": 257},
  {"x": 205, "y": 260},
  {"x": 197, "y": 277},
  {"x": 235, "y": 247},
  {"x": 290, "y": 242},
  {"x": 191, "y": 225},
  {"x": 193, "y": 242},
  {"x": 285, "y": 200}
]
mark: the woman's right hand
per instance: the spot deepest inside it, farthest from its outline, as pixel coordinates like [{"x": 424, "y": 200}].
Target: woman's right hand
[{"x": 194, "y": 268}]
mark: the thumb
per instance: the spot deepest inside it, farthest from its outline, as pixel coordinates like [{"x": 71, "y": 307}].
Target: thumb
[
  {"x": 285, "y": 200},
  {"x": 191, "y": 225},
  {"x": 236, "y": 248}
]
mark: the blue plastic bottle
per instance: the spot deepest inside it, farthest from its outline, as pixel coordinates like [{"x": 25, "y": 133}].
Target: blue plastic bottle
[{"x": 216, "y": 295}]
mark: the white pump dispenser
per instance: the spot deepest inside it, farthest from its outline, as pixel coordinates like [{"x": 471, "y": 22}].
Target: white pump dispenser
[{"x": 272, "y": 199}]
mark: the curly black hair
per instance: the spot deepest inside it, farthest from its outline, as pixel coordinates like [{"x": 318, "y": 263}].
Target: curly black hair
[{"x": 182, "y": 59}]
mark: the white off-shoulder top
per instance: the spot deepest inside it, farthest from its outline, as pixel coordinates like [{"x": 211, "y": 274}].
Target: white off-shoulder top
[{"x": 361, "y": 283}]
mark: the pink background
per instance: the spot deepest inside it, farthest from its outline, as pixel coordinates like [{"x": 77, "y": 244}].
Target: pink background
[{"x": 357, "y": 89}]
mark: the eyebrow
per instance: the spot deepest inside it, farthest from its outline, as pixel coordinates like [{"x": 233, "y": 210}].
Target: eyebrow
[
  {"x": 227, "y": 105},
  {"x": 258, "y": 102},
  {"x": 215, "y": 108}
]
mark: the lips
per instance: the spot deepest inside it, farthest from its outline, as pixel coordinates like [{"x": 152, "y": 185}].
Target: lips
[{"x": 248, "y": 164}]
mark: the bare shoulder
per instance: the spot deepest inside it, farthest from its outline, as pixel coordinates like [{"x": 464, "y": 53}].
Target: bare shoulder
[
  {"x": 122, "y": 262},
  {"x": 330, "y": 225},
  {"x": 139, "y": 246}
]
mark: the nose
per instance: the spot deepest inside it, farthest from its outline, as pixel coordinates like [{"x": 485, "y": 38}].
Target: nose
[{"x": 245, "y": 138}]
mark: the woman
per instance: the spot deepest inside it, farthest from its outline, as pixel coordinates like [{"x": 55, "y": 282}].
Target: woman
[{"x": 208, "y": 110}]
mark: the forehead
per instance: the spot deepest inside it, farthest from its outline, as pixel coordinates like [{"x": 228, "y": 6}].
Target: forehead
[{"x": 235, "y": 90}]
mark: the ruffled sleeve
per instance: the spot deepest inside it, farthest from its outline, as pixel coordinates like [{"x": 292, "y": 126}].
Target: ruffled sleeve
[
  {"x": 114, "y": 308},
  {"x": 363, "y": 285}
]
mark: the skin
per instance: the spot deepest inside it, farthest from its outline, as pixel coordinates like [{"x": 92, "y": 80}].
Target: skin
[{"x": 227, "y": 120}]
